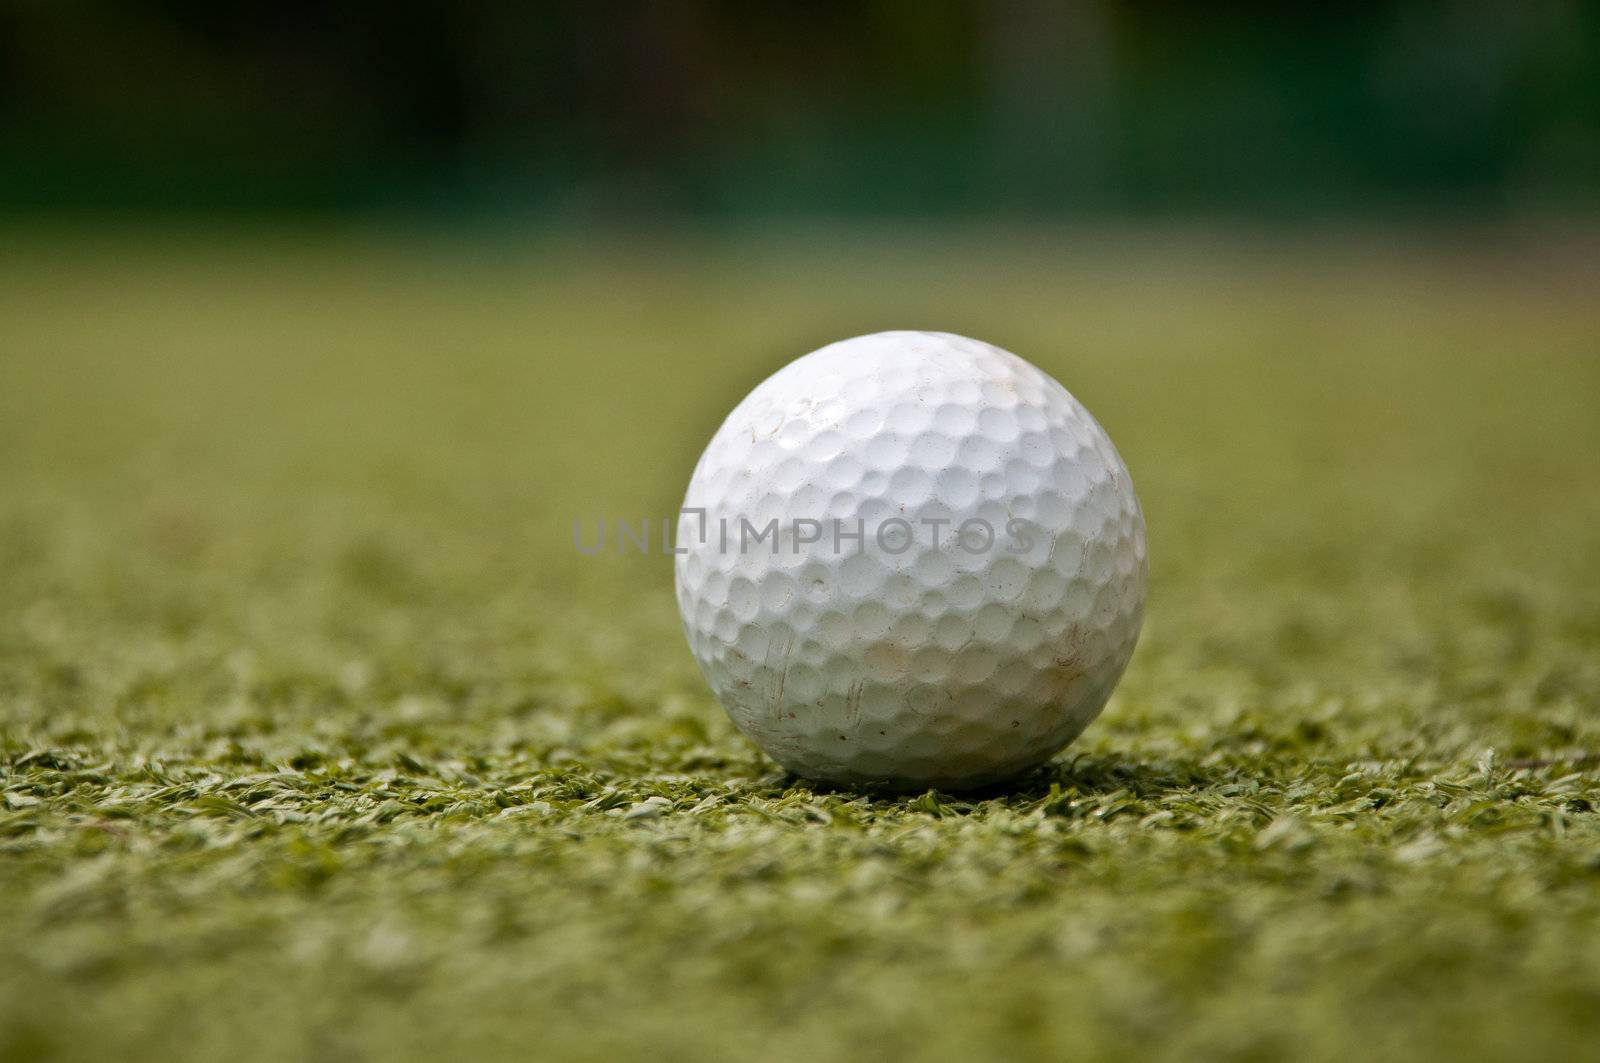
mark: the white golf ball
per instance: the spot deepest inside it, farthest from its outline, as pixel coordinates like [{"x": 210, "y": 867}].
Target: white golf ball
[{"x": 911, "y": 559}]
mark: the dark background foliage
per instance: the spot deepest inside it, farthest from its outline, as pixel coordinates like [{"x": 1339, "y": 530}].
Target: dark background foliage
[{"x": 716, "y": 110}]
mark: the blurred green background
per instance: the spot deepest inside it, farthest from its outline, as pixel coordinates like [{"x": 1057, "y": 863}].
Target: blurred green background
[
  {"x": 727, "y": 111},
  {"x": 320, "y": 325}
]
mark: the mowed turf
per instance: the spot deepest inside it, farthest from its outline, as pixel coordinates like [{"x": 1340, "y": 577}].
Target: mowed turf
[{"x": 319, "y": 739}]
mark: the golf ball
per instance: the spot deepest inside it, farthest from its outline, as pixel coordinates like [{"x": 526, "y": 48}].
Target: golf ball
[{"x": 911, "y": 559}]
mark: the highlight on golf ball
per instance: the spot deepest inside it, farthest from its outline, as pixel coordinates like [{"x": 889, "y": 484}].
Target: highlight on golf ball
[{"x": 911, "y": 559}]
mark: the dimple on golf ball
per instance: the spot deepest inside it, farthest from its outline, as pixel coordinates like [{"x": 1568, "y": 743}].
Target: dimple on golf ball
[{"x": 911, "y": 559}]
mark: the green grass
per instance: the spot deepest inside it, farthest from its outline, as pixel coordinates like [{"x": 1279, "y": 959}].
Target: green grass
[{"x": 319, "y": 740}]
